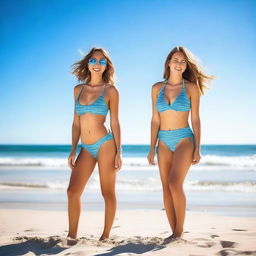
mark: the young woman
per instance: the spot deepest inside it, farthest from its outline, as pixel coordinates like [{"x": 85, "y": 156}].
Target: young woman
[
  {"x": 93, "y": 98},
  {"x": 178, "y": 147}
]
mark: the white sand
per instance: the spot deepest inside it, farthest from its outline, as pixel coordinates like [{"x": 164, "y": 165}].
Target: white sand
[{"x": 135, "y": 232}]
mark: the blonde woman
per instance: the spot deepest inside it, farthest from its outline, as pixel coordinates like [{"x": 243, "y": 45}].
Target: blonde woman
[
  {"x": 178, "y": 146},
  {"x": 94, "y": 97}
]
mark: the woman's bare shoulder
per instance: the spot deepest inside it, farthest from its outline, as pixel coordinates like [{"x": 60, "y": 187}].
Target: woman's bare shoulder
[
  {"x": 156, "y": 87},
  {"x": 192, "y": 87},
  {"x": 78, "y": 87},
  {"x": 111, "y": 89},
  {"x": 158, "y": 84}
]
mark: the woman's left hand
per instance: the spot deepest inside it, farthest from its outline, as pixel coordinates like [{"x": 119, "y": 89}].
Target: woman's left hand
[
  {"x": 196, "y": 157},
  {"x": 118, "y": 161}
]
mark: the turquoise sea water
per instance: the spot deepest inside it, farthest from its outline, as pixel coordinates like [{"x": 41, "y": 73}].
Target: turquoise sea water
[
  {"x": 37, "y": 176},
  {"x": 128, "y": 150}
]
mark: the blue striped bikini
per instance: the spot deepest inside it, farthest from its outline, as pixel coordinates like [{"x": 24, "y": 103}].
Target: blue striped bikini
[
  {"x": 181, "y": 103},
  {"x": 98, "y": 107}
]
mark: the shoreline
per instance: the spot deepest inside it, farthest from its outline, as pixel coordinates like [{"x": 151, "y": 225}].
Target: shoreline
[{"x": 218, "y": 210}]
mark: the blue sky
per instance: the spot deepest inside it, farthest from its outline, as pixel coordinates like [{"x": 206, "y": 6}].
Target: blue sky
[{"x": 41, "y": 39}]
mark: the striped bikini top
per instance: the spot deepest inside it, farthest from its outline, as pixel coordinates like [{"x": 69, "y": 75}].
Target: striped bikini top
[
  {"x": 181, "y": 103},
  {"x": 98, "y": 107}
]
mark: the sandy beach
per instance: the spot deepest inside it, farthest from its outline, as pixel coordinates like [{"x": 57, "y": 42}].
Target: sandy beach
[{"x": 135, "y": 232}]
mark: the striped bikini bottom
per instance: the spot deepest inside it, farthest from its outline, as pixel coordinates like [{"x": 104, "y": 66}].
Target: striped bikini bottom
[
  {"x": 173, "y": 137},
  {"x": 94, "y": 148}
]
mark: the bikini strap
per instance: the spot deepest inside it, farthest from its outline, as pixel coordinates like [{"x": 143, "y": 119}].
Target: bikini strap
[
  {"x": 165, "y": 83},
  {"x": 183, "y": 83},
  {"x": 103, "y": 89},
  {"x": 80, "y": 92}
]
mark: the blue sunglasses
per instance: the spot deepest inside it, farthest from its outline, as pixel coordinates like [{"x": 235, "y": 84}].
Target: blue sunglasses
[{"x": 93, "y": 61}]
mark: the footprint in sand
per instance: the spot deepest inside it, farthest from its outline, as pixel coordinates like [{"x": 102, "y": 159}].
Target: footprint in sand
[
  {"x": 228, "y": 244},
  {"x": 232, "y": 252},
  {"x": 238, "y": 229},
  {"x": 204, "y": 242},
  {"x": 31, "y": 230},
  {"x": 116, "y": 227},
  {"x": 213, "y": 236},
  {"x": 42, "y": 242}
]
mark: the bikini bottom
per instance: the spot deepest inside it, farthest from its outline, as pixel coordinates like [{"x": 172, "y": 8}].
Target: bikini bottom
[
  {"x": 94, "y": 148},
  {"x": 173, "y": 137}
]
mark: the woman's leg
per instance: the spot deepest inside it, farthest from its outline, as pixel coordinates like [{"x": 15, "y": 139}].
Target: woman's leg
[
  {"x": 106, "y": 162},
  {"x": 165, "y": 156},
  {"x": 84, "y": 166},
  {"x": 182, "y": 159}
]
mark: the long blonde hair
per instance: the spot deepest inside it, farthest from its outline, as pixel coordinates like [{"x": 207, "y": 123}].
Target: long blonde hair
[
  {"x": 193, "y": 73},
  {"x": 81, "y": 71}
]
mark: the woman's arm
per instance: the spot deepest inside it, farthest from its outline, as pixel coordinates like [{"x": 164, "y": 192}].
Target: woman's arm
[
  {"x": 155, "y": 124},
  {"x": 114, "y": 123},
  {"x": 76, "y": 132},
  {"x": 195, "y": 120}
]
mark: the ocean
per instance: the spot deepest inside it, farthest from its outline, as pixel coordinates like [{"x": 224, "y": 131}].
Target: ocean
[{"x": 37, "y": 176}]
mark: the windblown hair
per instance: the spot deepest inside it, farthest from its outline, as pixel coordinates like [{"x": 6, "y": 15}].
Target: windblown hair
[
  {"x": 81, "y": 71},
  {"x": 193, "y": 73}
]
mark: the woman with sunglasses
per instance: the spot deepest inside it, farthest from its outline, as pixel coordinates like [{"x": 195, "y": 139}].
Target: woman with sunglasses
[
  {"x": 93, "y": 98},
  {"x": 178, "y": 147}
]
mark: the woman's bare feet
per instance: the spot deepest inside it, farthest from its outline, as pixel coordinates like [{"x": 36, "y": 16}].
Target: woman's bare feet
[
  {"x": 103, "y": 238},
  {"x": 180, "y": 235},
  {"x": 172, "y": 238},
  {"x": 70, "y": 236},
  {"x": 71, "y": 240}
]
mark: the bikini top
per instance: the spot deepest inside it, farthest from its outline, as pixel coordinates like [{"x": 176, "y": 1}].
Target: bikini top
[
  {"x": 98, "y": 107},
  {"x": 181, "y": 103}
]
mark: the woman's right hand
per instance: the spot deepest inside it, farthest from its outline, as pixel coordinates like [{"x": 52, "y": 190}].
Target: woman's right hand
[
  {"x": 151, "y": 156},
  {"x": 71, "y": 160}
]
